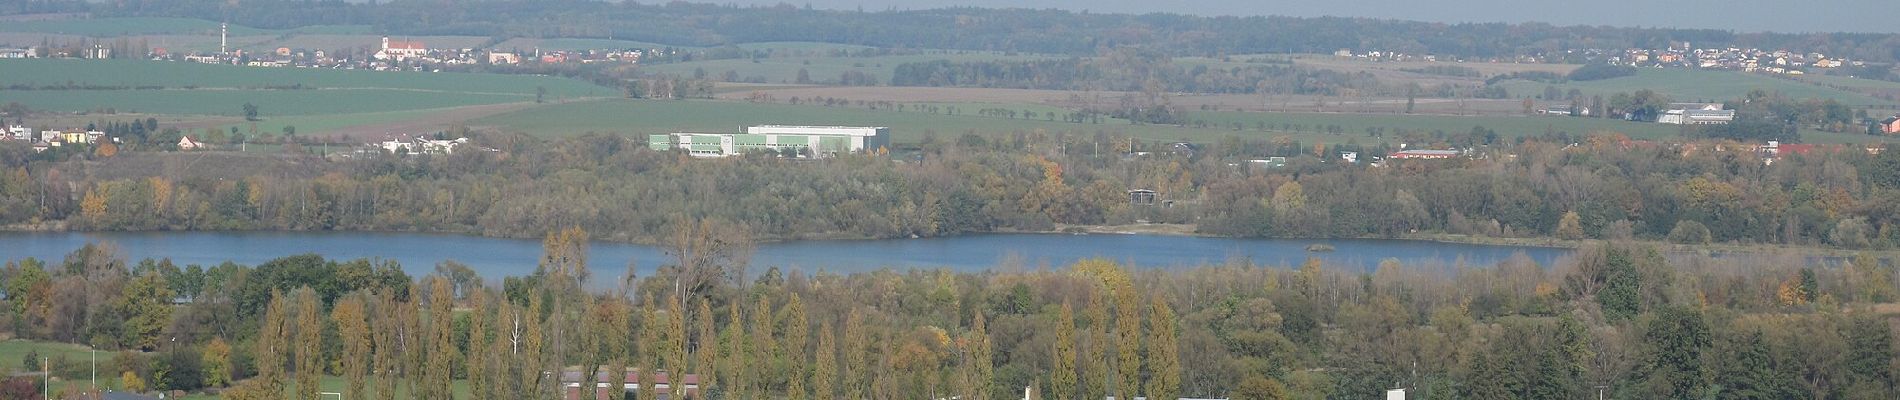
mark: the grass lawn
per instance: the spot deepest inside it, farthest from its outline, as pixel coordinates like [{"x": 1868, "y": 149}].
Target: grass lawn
[
  {"x": 13, "y": 352},
  {"x": 1685, "y": 85}
]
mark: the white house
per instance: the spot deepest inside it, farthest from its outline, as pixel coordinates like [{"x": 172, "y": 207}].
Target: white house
[
  {"x": 186, "y": 143},
  {"x": 1696, "y": 114},
  {"x": 20, "y": 132}
]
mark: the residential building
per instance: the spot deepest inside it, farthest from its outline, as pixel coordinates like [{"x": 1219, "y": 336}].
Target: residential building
[
  {"x": 18, "y": 132},
  {"x": 503, "y": 58},
  {"x": 421, "y": 145},
  {"x": 186, "y": 143},
  {"x": 1890, "y": 126},
  {"x": 802, "y": 141},
  {"x": 16, "y": 53}
]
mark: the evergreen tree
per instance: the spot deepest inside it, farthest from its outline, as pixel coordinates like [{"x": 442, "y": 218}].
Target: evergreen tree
[
  {"x": 1489, "y": 380},
  {"x": 1749, "y": 372},
  {"x": 1062, "y": 379},
  {"x": 147, "y": 306},
  {"x": 1164, "y": 359},
  {"x": 1678, "y": 336},
  {"x": 1871, "y": 361},
  {"x": 1621, "y": 296}
]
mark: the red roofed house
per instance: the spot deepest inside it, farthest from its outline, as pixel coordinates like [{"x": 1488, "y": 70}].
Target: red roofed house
[
  {"x": 1890, "y": 125},
  {"x": 662, "y": 383},
  {"x": 399, "y": 49}
]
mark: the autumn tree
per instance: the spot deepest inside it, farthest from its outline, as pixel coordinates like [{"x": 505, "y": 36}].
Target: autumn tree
[
  {"x": 1569, "y": 227},
  {"x": 273, "y": 341},
  {"x": 217, "y": 363},
  {"x": 792, "y": 351},
  {"x": 762, "y": 347},
  {"x": 309, "y": 344},
  {"x": 1164, "y": 359},
  {"x": 705, "y": 345},
  {"x": 981, "y": 369},
  {"x": 1062, "y": 379},
  {"x": 825, "y": 364},
  {"x": 352, "y": 325},
  {"x": 855, "y": 347},
  {"x": 147, "y": 305},
  {"x": 735, "y": 357},
  {"x": 1093, "y": 362},
  {"x": 675, "y": 347},
  {"x": 475, "y": 362}
]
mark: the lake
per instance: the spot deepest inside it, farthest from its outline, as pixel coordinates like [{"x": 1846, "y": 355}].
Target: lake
[{"x": 497, "y": 257}]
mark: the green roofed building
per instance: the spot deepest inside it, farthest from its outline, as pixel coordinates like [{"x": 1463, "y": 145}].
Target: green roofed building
[{"x": 801, "y": 141}]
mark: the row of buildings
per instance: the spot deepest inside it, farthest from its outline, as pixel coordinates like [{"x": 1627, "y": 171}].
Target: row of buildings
[
  {"x": 797, "y": 141},
  {"x": 397, "y": 54},
  {"x": 49, "y": 138},
  {"x": 1677, "y": 55}
]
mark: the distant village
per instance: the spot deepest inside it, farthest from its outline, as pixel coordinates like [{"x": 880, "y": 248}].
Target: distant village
[
  {"x": 1678, "y": 55},
  {"x": 388, "y": 55}
]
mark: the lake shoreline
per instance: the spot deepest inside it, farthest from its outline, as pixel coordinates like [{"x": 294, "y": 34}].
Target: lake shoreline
[{"x": 1142, "y": 229}]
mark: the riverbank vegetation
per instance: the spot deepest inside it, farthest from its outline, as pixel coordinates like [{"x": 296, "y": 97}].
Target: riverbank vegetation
[
  {"x": 1602, "y": 187},
  {"x": 1619, "y": 318}
]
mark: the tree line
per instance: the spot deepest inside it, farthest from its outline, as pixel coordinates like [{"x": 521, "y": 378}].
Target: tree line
[{"x": 1625, "y": 320}]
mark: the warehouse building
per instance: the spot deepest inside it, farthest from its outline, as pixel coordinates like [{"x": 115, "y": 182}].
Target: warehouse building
[{"x": 801, "y": 141}]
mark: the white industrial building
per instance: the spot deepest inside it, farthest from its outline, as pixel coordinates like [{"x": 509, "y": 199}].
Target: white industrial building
[
  {"x": 801, "y": 141},
  {"x": 1696, "y": 114}
]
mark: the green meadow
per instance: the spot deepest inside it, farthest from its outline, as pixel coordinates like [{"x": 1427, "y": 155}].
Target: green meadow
[
  {"x": 190, "y": 88},
  {"x": 821, "y": 68}
]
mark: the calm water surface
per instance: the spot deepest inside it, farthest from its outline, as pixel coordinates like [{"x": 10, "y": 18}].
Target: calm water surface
[{"x": 494, "y": 257}]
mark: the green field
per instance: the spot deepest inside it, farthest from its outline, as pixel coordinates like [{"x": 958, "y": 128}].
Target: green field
[
  {"x": 820, "y": 68},
  {"x": 108, "y": 27},
  {"x": 41, "y": 72},
  {"x": 223, "y": 89},
  {"x": 1695, "y": 85},
  {"x": 638, "y": 117}
]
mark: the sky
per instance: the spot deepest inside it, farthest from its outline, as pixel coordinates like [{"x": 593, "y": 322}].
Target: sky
[{"x": 1738, "y": 15}]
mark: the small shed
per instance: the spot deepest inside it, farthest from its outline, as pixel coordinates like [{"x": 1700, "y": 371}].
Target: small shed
[{"x": 1141, "y": 197}]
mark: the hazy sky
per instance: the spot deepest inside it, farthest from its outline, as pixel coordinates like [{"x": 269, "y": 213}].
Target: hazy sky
[{"x": 1740, "y": 15}]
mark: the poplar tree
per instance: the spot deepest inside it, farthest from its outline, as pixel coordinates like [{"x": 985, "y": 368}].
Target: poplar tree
[
  {"x": 1092, "y": 376},
  {"x": 762, "y": 343},
  {"x": 705, "y": 345},
  {"x": 1164, "y": 357},
  {"x": 475, "y": 362},
  {"x": 855, "y": 356},
  {"x": 309, "y": 344},
  {"x": 1062, "y": 378},
  {"x": 675, "y": 350},
  {"x": 825, "y": 368},
  {"x": 388, "y": 352},
  {"x": 983, "y": 372},
  {"x": 271, "y": 341},
  {"x": 619, "y": 328},
  {"x": 436, "y": 374},
  {"x": 792, "y": 352},
  {"x": 1128, "y": 328},
  {"x": 353, "y": 328},
  {"x": 734, "y": 382}
]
